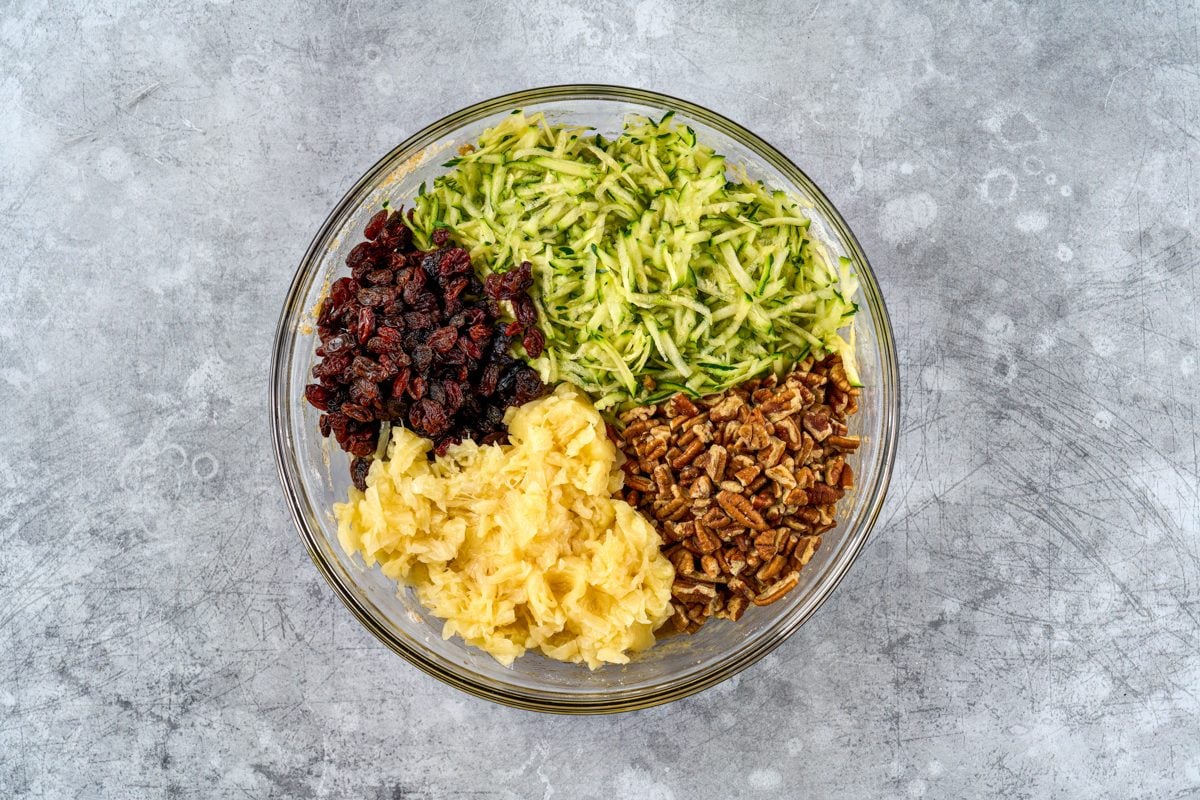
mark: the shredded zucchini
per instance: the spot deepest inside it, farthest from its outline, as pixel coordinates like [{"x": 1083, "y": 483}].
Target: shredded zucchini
[{"x": 649, "y": 260}]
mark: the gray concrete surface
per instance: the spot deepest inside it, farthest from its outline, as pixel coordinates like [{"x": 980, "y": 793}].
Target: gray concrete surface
[{"x": 1025, "y": 622}]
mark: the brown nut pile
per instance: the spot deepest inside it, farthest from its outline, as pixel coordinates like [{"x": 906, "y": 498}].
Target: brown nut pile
[{"x": 742, "y": 484}]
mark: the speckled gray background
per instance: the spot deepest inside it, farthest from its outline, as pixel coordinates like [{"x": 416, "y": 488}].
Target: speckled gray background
[{"x": 1025, "y": 622}]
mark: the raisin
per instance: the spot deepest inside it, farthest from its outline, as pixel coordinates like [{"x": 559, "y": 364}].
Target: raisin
[
  {"x": 342, "y": 290},
  {"x": 355, "y": 411},
  {"x": 318, "y": 395},
  {"x": 361, "y": 445},
  {"x": 363, "y": 367},
  {"x": 471, "y": 348},
  {"x": 323, "y": 425},
  {"x": 529, "y": 386},
  {"x": 359, "y": 468},
  {"x": 489, "y": 379},
  {"x": 375, "y": 226},
  {"x": 374, "y": 297},
  {"x": 380, "y": 277},
  {"x": 479, "y": 332},
  {"x": 400, "y": 383},
  {"x": 416, "y": 387},
  {"x": 422, "y": 357},
  {"x": 534, "y": 342},
  {"x": 443, "y": 339},
  {"x": 365, "y": 325},
  {"x": 363, "y": 253}
]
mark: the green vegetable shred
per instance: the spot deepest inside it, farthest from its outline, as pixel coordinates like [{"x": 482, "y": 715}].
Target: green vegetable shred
[{"x": 654, "y": 272}]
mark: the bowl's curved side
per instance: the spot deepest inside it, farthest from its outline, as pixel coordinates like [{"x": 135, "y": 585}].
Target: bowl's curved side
[{"x": 308, "y": 518}]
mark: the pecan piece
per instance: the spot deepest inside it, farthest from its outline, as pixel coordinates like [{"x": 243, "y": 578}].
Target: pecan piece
[
  {"x": 740, "y": 511},
  {"x": 772, "y": 568},
  {"x": 777, "y": 590},
  {"x": 844, "y": 443},
  {"x": 746, "y": 475},
  {"x": 638, "y": 483},
  {"x": 726, "y": 409},
  {"x": 701, "y": 488},
  {"x": 822, "y": 494},
  {"x": 688, "y": 455},
  {"x": 714, "y": 463},
  {"x": 681, "y": 406},
  {"x": 663, "y": 479},
  {"x": 817, "y": 423}
]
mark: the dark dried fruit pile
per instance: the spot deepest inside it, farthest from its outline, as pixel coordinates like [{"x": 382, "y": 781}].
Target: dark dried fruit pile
[{"x": 414, "y": 338}]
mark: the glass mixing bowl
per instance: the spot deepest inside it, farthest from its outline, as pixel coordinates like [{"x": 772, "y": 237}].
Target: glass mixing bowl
[{"x": 315, "y": 474}]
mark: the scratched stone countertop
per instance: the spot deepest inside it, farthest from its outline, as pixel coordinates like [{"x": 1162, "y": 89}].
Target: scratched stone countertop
[{"x": 1025, "y": 621}]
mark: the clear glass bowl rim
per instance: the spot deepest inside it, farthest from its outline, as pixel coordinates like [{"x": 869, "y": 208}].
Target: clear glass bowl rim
[{"x": 304, "y": 515}]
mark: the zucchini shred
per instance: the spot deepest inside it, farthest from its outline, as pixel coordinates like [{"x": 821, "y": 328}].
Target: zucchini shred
[{"x": 654, "y": 272}]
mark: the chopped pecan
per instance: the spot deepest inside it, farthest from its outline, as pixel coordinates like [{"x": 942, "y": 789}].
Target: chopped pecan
[
  {"x": 663, "y": 479},
  {"x": 706, "y": 540},
  {"x": 681, "y": 406},
  {"x": 847, "y": 478},
  {"x": 683, "y": 561},
  {"x": 846, "y": 444},
  {"x": 778, "y": 589},
  {"x": 782, "y": 476},
  {"x": 833, "y": 470},
  {"x": 797, "y": 497},
  {"x": 702, "y": 487},
  {"x": 691, "y": 591},
  {"x": 638, "y": 483},
  {"x": 716, "y": 518},
  {"x": 764, "y": 544},
  {"x": 772, "y": 568},
  {"x": 817, "y": 423},
  {"x": 688, "y": 455},
  {"x": 735, "y": 607},
  {"x": 746, "y": 475},
  {"x": 740, "y": 511},
  {"x": 726, "y": 409},
  {"x": 823, "y": 494},
  {"x": 714, "y": 463}
]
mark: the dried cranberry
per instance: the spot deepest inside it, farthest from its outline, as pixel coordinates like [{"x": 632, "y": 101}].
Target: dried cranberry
[{"x": 375, "y": 226}]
